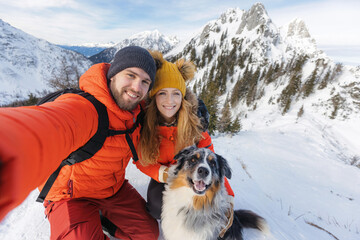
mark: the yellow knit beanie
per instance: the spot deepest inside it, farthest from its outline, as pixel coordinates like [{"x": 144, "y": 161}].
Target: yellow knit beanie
[{"x": 170, "y": 75}]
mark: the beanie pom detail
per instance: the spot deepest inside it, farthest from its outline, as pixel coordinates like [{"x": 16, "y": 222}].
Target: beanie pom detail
[
  {"x": 186, "y": 68},
  {"x": 158, "y": 57}
]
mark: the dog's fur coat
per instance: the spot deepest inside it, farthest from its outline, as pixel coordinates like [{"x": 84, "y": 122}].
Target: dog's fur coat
[{"x": 196, "y": 204}]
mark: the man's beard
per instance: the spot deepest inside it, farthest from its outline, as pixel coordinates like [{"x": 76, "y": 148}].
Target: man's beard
[{"x": 118, "y": 96}]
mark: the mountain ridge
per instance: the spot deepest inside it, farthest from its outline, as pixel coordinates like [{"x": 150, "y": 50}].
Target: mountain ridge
[
  {"x": 153, "y": 40},
  {"x": 28, "y": 63},
  {"x": 285, "y": 62}
]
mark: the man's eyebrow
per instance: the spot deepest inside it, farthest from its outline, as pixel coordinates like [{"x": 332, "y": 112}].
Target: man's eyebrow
[
  {"x": 137, "y": 74},
  {"x": 128, "y": 70}
]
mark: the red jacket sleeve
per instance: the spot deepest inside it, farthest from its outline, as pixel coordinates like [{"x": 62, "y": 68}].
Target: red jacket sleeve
[
  {"x": 34, "y": 140},
  {"x": 206, "y": 142},
  {"x": 150, "y": 170}
]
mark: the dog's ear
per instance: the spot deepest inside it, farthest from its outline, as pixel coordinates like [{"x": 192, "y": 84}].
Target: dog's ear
[
  {"x": 182, "y": 156},
  {"x": 225, "y": 169}
]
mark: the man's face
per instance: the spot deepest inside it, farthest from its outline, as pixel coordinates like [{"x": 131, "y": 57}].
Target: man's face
[{"x": 129, "y": 87}]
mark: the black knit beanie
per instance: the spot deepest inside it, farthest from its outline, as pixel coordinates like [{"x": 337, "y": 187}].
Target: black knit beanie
[{"x": 133, "y": 56}]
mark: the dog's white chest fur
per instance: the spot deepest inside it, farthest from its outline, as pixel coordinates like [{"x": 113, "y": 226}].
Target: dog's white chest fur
[
  {"x": 180, "y": 221},
  {"x": 173, "y": 219}
]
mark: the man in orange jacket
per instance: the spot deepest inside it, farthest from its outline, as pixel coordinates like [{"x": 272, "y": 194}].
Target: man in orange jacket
[{"x": 34, "y": 140}]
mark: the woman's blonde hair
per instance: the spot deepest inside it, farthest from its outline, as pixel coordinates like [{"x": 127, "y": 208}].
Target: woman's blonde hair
[{"x": 189, "y": 130}]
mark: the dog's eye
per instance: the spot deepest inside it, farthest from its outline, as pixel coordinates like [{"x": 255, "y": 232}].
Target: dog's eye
[{"x": 193, "y": 160}]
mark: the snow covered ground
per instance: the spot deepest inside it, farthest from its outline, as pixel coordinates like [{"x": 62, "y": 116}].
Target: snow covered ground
[{"x": 292, "y": 174}]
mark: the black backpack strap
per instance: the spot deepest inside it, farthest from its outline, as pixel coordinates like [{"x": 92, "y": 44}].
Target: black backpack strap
[
  {"x": 49, "y": 183},
  {"x": 97, "y": 141},
  {"x": 128, "y": 139},
  {"x": 203, "y": 114},
  {"x": 86, "y": 151},
  {"x": 52, "y": 96},
  {"x": 127, "y": 132},
  {"x": 132, "y": 147},
  {"x": 208, "y": 146}
]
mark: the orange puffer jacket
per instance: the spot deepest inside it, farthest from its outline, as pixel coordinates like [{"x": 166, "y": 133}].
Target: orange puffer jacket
[{"x": 34, "y": 140}]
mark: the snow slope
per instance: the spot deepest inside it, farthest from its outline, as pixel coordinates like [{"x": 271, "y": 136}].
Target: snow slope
[{"x": 290, "y": 173}]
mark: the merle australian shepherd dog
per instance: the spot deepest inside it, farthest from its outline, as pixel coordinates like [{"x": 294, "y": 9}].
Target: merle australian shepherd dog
[{"x": 195, "y": 201}]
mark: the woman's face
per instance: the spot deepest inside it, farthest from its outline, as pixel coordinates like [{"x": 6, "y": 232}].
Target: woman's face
[{"x": 168, "y": 102}]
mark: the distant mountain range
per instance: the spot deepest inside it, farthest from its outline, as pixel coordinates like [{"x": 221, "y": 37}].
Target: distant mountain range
[
  {"x": 149, "y": 39},
  {"x": 105, "y": 52},
  {"x": 84, "y": 50}
]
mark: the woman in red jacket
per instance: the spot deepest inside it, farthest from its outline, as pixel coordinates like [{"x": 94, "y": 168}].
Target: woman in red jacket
[{"x": 171, "y": 124}]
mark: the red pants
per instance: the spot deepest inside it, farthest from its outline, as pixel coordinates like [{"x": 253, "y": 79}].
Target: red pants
[{"x": 79, "y": 218}]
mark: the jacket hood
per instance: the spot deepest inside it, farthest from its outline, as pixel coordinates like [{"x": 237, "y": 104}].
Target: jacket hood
[
  {"x": 94, "y": 81},
  {"x": 192, "y": 98},
  {"x": 199, "y": 108}
]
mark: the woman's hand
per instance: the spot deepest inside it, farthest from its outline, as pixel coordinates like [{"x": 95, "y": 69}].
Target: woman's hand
[{"x": 163, "y": 173}]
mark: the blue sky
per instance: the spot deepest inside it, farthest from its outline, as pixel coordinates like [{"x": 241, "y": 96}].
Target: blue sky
[{"x": 330, "y": 22}]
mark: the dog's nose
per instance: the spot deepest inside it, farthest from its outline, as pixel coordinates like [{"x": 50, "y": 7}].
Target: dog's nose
[{"x": 203, "y": 172}]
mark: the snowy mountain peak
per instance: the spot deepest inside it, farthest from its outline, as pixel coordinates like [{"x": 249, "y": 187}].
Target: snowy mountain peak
[
  {"x": 232, "y": 14},
  {"x": 148, "y": 39},
  {"x": 253, "y": 29},
  {"x": 297, "y": 28},
  {"x": 153, "y": 40},
  {"x": 253, "y": 18},
  {"x": 298, "y": 38},
  {"x": 153, "y": 36},
  {"x": 104, "y": 45},
  {"x": 147, "y": 34}
]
